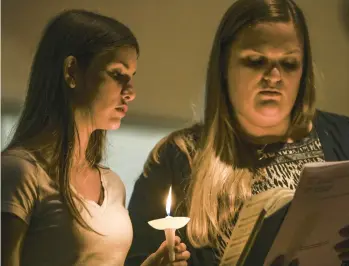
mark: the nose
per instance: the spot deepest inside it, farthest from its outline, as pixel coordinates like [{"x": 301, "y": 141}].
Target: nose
[
  {"x": 128, "y": 94},
  {"x": 273, "y": 76}
]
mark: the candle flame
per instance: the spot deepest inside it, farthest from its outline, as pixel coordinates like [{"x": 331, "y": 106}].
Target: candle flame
[{"x": 169, "y": 201}]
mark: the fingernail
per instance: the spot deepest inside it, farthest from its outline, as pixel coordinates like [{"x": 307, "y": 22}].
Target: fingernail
[
  {"x": 294, "y": 262},
  {"x": 344, "y": 256},
  {"x": 344, "y": 231},
  {"x": 338, "y": 247},
  {"x": 279, "y": 260}
]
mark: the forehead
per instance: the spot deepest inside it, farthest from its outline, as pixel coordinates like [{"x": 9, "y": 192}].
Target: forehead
[
  {"x": 126, "y": 56},
  {"x": 277, "y": 36}
]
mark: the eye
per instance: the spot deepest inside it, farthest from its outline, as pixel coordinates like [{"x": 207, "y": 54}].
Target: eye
[
  {"x": 290, "y": 65},
  {"x": 119, "y": 77},
  {"x": 255, "y": 61}
]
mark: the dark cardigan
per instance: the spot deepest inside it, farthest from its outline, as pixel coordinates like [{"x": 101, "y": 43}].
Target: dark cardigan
[{"x": 148, "y": 198}]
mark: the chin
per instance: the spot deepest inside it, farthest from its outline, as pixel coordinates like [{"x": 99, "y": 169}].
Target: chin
[
  {"x": 113, "y": 123},
  {"x": 114, "y": 126},
  {"x": 268, "y": 121},
  {"x": 110, "y": 126},
  {"x": 269, "y": 117}
]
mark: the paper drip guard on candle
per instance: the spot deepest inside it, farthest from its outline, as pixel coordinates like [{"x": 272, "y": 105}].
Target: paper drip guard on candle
[{"x": 169, "y": 224}]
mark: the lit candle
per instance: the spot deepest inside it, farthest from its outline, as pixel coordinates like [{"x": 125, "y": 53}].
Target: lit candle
[{"x": 169, "y": 224}]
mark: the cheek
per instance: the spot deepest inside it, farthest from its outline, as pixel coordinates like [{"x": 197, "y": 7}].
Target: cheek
[
  {"x": 92, "y": 88},
  {"x": 292, "y": 83},
  {"x": 242, "y": 84},
  {"x": 108, "y": 92}
]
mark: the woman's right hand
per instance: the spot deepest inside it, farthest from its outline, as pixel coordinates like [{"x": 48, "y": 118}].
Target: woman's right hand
[
  {"x": 280, "y": 261},
  {"x": 161, "y": 257}
]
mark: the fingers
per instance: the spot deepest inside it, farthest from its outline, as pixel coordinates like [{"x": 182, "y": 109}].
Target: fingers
[
  {"x": 183, "y": 256},
  {"x": 280, "y": 261},
  {"x": 344, "y": 256},
  {"x": 343, "y": 247},
  {"x": 160, "y": 257},
  {"x": 179, "y": 263},
  {"x": 177, "y": 240},
  {"x": 180, "y": 247},
  {"x": 181, "y": 252},
  {"x": 294, "y": 262},
  {"x": 159, "y": 254},
  {"x": 344, "y": 232}
]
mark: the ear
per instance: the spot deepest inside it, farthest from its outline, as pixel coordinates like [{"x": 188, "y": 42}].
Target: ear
[{"x": 70, "y": 71}]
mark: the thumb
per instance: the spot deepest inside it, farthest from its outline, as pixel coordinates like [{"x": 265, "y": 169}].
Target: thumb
[{"x": 279, "y": 261}]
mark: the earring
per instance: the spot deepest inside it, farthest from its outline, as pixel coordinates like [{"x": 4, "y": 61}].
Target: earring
[{"x": 72, "y": 84}]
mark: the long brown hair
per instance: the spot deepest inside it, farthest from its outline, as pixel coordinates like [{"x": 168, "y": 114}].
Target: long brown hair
[
  {"x": 219, "y": 181},
  {"x": 46, "y": 127}
]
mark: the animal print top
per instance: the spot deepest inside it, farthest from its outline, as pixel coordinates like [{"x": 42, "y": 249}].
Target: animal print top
[
  {"x": 281, "y": 164},
  {"x": 282, "y": 167}
]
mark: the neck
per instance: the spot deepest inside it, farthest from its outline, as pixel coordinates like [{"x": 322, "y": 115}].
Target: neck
[
  {"x": 266, "y": 134},
  {"x": 84, "y": 131}
]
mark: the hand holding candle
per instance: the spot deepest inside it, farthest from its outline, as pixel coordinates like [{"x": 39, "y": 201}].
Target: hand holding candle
[
  {"x": 169, "y": 224},
  {"x": 160, "y": 256}
]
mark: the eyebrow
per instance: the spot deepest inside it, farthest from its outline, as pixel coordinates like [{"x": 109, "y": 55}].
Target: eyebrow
[
  {"x": 293, "y": 51},
  {"x": 125, "y": 65}
]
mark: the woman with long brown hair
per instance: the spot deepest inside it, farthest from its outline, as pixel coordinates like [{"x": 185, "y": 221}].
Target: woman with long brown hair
[{"x": 59, "y": 204}]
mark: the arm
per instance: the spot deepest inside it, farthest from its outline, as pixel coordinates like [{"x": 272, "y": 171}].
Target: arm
[
  {"x": 13, "y": 231},
  {"x": 333, "y": 132}
]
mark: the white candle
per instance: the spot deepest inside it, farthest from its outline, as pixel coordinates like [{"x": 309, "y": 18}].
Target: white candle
[
  {"x": 169, "y": 224},
  {"x": 170, "y": 239}
]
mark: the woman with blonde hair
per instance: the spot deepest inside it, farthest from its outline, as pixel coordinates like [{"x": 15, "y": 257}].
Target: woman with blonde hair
[{"x": 260, "y": 127}]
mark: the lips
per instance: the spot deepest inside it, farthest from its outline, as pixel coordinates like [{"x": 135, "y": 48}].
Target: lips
[
  {"x": 270, "y": 93},
  {"x": 122, "y": 108}
]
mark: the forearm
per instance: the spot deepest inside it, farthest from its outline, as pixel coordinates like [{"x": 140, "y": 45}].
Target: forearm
[
  {"x": 10, "y": 260},
  {"x": 10, "y": 249},
  {"x": 13, "y": 232}
]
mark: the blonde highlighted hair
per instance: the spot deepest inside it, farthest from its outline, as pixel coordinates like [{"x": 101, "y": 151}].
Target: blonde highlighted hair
[{"x": 220, "y": 171}]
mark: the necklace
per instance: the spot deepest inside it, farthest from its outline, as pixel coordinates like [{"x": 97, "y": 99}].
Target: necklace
[{"x": 260, "y": 152}]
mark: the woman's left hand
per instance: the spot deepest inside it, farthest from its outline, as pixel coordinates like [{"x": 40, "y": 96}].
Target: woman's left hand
[{"x": 343, "y": 247}]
